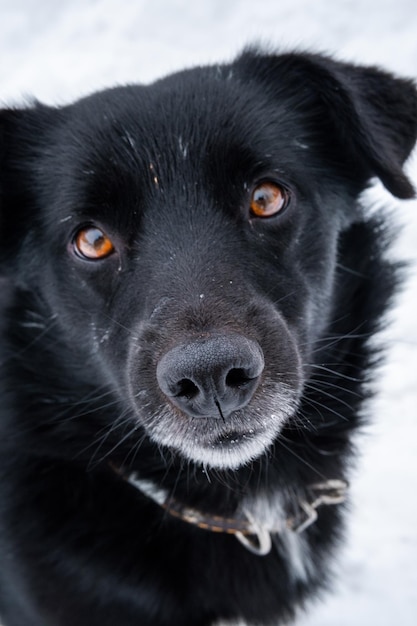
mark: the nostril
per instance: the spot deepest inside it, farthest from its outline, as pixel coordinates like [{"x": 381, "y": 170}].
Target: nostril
[
  {"x": 185, "y": 388},
  {"x": 237, "y": 378}
]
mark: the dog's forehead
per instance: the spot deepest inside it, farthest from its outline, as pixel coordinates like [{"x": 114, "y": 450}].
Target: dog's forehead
[{"x": 196, "y": 109}]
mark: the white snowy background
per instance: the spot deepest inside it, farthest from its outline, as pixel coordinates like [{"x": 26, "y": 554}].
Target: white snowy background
[{"x": 58, "y": 50}]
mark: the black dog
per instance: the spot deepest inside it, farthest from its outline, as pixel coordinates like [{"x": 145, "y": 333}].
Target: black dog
[{"x": 189, "y": 288}]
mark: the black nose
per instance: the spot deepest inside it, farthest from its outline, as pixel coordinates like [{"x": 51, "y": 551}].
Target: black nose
[{"x": 211, "y": 376}]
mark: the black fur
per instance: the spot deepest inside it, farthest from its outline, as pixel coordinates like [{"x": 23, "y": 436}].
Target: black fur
[{"x": 167, "y": 171}]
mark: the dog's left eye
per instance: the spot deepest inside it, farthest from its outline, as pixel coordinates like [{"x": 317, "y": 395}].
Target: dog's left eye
[
  {"x": 92, "y": 243},
  {"x": 268, "y": 199}
]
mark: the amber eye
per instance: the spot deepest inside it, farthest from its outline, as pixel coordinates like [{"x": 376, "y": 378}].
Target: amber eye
[
  {"x": 92, "y": 243},
  {"x": 268, "y": 199}
]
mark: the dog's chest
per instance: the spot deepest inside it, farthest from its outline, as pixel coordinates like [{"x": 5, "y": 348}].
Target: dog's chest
[{"x": 292, "y": 546}]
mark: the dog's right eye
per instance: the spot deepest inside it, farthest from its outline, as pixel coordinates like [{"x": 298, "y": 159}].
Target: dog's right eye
[
  {"x": 268, "y": 199},
  {"x": 92, "y": 243}
]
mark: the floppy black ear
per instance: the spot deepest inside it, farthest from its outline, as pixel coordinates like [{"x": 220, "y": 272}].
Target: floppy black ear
[
  {"x": 12, "y": 180},
  {"x": 22, "y": 134},
  {"x": 373, "y": 113}
]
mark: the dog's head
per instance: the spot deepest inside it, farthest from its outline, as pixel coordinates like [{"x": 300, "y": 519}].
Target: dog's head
[{"x": 184, "y": 236}]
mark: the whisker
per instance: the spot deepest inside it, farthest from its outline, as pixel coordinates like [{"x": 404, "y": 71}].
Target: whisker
[
  {"x": 280, "y": 441},
  {"x": 320, "y": 390},
  {"x": 319, "y": 386},
  {"x": 315, "y": 403},
  {"x": 333, "y": 372},
  {"x": 91, "y": 464},
  {"x": 37, "y": 338},
  {"x": 115, "y": 321}
]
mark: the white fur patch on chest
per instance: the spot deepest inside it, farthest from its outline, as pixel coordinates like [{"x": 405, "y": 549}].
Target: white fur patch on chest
[{"x": 270, "y": 514}]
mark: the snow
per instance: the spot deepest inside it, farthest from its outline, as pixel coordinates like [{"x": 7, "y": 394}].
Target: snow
[{"x": 58, "y": 51}]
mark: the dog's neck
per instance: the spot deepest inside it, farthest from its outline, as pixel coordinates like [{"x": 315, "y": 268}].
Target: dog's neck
[{"x": 255, "y": 520}]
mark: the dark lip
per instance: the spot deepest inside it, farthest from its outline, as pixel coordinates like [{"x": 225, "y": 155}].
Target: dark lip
[{"x": 233, "y": 438}]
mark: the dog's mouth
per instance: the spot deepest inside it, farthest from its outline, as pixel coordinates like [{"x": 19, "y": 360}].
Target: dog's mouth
[
  {"x": 233, "y": 438},
  {"x": 233, "y": 448},
  {"x": 231, "y": 443}
]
